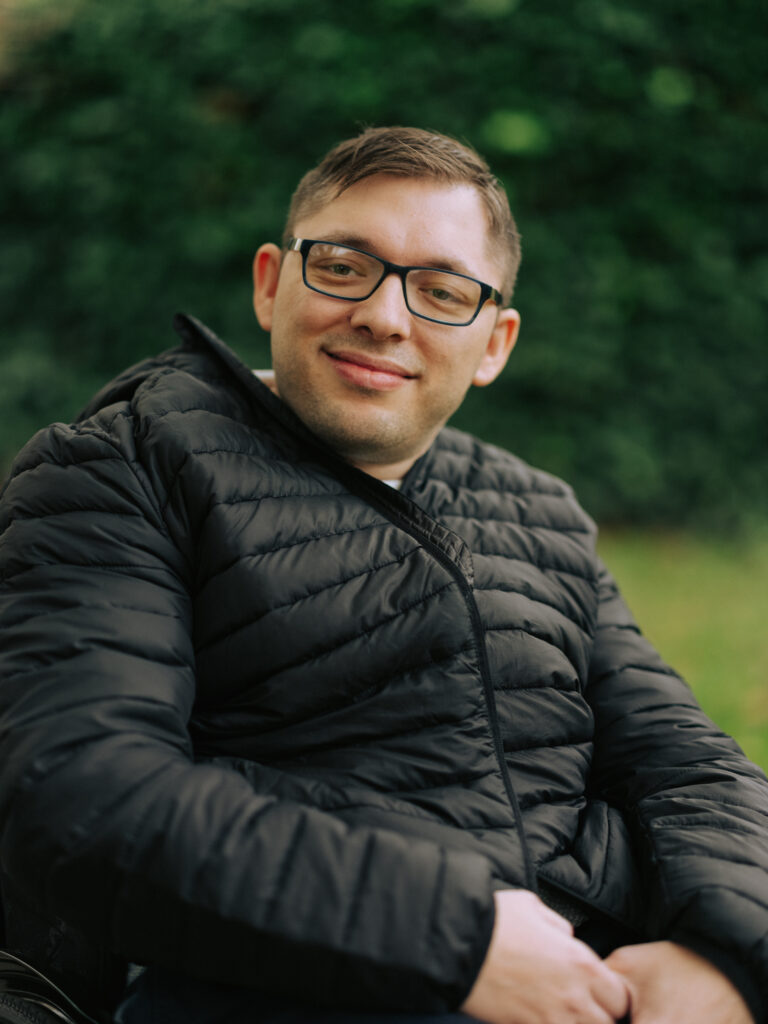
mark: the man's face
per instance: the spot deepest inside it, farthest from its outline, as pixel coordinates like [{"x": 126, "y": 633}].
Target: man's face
[{"x": 372, "y": 380}]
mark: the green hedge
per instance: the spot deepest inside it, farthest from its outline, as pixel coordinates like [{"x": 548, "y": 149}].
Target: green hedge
[{"x": 148, "y": 147}]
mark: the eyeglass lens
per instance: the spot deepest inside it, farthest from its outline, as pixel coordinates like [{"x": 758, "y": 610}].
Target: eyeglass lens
[{"x": 347, "y": 274}]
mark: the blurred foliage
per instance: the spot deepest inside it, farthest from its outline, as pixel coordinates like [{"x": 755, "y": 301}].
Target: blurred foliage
[
  {"x": 148, "y": 147},
  {"x": 703, "y": 604}
]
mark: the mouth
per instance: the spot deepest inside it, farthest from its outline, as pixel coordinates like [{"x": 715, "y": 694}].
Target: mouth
[{"x": 369, "y": 372}]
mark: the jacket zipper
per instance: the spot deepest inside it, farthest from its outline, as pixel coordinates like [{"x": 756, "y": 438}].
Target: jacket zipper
[{"x": 394, "y": 514}]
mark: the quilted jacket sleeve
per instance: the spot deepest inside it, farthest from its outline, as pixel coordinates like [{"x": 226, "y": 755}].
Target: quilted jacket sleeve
[
  {"x": 109, "y": 824},
  {"x": 697, "y": 807}
]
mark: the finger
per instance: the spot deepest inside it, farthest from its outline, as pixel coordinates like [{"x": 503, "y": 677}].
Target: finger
[
  {"x": 597, "y": 1015},
  {"x": 612, "y": 992},
  {"x": 558, "y": 920},
  {"x": 629, "y": 960}
]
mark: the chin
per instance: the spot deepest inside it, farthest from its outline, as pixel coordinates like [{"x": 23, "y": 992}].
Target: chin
[{"x": 357, "y": 448}]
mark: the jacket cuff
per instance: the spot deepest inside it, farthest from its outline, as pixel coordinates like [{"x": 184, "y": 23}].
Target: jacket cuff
[{"x": 485, "y": 933}]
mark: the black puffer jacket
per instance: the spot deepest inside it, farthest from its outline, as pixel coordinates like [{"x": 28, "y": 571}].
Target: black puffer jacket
[{"x": 268, "y": 721}]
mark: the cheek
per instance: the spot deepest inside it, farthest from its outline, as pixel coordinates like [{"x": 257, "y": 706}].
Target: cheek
[
  {"x": 306, "y": 312},
  {"x": 459, "y": 367}
]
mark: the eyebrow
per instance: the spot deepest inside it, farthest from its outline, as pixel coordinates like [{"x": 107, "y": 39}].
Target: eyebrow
[{"x": 360, "y": 242}]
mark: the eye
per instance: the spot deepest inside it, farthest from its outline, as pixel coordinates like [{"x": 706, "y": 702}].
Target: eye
[
  {"x": 334, "y": 267},
  {"x": 443, "y": 295},
  {"x": 339, "y": 269},
  {"x": 444, "y": 291}
]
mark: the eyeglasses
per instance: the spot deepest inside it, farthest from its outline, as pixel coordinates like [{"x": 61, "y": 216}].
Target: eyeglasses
[{"x": 343, "y": 272}]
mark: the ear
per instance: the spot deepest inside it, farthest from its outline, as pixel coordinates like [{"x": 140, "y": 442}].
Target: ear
[
  {"x": 266, "y": 272},
  {"x": 499, "y": 346}
]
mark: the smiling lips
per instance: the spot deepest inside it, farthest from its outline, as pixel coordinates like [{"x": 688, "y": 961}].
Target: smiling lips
[{"x": 368, "y": 372}]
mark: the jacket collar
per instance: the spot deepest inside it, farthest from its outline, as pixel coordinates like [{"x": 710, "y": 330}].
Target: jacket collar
[{"x": 197, "y": 336}]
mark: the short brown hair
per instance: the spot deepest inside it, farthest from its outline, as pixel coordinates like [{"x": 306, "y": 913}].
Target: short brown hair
[{"x": 411, "y": 153}]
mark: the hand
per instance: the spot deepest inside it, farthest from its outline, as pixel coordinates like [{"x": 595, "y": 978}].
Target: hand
[
  {"x": 670, "y": 984},
  {"x": 536, "y": 972}
]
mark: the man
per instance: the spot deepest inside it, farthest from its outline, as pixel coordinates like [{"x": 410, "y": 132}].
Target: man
[{"x": 319, "y": 708}]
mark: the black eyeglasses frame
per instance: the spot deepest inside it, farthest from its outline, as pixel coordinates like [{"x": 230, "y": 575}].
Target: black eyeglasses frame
[{"x": 303, "y": 245}]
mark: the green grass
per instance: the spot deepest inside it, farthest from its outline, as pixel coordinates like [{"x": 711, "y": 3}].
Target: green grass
[{"x": 704, "y": 605}]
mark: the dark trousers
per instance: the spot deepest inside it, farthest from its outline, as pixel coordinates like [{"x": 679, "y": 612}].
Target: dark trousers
[{"x": 160, "y": 997}]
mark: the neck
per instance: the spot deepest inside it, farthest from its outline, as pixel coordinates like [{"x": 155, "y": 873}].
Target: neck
[{"x": 390, "y": 471}]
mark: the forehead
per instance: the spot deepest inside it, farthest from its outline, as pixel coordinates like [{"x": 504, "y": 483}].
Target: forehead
[{"x": 409, "y": 220}]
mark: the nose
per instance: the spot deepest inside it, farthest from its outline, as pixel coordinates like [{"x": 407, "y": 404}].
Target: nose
[{"x": 384, "y": 314}]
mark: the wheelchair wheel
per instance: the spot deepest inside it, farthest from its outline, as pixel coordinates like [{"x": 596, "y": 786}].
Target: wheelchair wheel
[
  {"x": 29, "y": 997},
  {"x": 16, "y": 1010}
]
